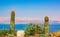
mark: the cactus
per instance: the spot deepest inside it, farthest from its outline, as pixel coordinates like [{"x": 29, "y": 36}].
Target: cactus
[
  {"x": 12, "y": 21},
  {"x": 46, "y": 26}
]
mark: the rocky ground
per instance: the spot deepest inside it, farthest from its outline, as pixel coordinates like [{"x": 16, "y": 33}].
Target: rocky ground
[
  {"x": 55, "y": 34},
  {"x": 52, "y": 34}
]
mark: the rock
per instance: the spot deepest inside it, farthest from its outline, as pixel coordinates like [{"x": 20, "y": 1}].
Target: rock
[
  {"x": 55, "y": 34},
  {"x": 20, "y": 33}
]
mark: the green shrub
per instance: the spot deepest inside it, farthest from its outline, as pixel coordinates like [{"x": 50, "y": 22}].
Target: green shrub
[
  {"x": 3, "y": 32},
  {"x": 33, "y": 29}
]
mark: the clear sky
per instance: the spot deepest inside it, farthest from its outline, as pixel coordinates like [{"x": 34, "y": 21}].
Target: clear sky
[{"x": 30, "y": 8}]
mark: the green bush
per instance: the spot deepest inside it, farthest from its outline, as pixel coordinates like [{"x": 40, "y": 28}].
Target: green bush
[
  {"x": 12, "y": 32},
  {"x": 33, "y": 29},
  {"x": 3, "y": 32},
  {"x": 29, "y": 30}
]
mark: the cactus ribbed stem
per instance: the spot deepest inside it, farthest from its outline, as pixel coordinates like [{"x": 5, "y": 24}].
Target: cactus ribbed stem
[
  {"x": 46, "y": 26},
  {"x": 12, "y": 21}
]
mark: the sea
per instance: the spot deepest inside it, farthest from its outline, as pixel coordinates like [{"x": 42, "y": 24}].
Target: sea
[{"x": 52, "y": 27}]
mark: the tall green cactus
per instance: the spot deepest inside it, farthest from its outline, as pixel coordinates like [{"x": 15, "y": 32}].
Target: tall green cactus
[
  {"x": 12, "y": 21},
  {"x": 46, "y": 26}
]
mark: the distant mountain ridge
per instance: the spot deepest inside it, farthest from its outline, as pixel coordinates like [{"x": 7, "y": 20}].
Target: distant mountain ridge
[{"x": 28, "y": 21}]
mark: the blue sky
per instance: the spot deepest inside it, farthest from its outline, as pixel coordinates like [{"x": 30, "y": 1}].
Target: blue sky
[{"x": 30, "y": 8}]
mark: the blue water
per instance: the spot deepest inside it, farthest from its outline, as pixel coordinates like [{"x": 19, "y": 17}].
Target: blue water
[{"x": 53, "y": 27}]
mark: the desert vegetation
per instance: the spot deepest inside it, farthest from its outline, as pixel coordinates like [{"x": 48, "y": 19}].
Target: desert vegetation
[
  {"x": 34, "y": 30},
  {"x": 4, "y": 33}
]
